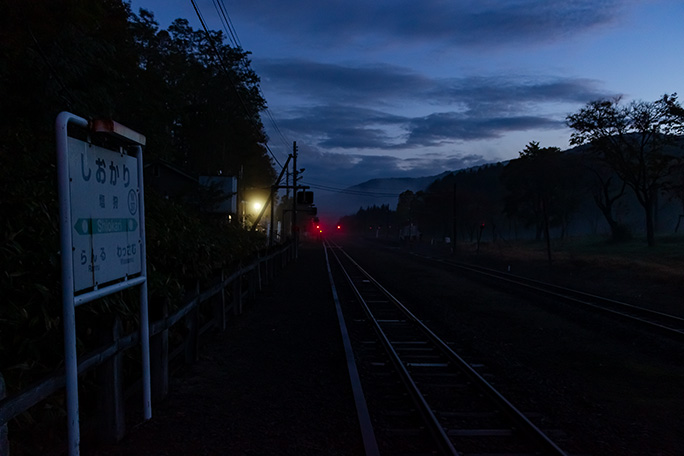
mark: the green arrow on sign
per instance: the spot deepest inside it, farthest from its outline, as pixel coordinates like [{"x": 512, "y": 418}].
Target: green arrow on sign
[{"x": 105, "y": 225}]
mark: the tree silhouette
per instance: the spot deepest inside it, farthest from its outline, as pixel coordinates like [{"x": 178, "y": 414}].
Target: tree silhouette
[
  {"x": 541, "y": 189},
  {"x": 633, "y": 141}
]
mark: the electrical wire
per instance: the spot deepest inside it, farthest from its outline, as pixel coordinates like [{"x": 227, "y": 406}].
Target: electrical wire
[
  {"x": 224, "y": 24},
  {"x": 348, "y": 191},
  {"x": 229, "y": 23},
  {"x": 223, "y": 66},
  {"x": 231, "y": 33},
  {"x": 276, "y": 128}
]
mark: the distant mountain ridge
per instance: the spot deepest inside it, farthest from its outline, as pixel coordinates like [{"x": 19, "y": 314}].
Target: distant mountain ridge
[
  {"x": 397, "y": 184},
  {"x": 376, "y": 192},
  {"x": 381, "y": 191}
]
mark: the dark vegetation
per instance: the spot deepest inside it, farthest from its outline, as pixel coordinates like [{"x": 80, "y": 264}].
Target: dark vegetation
[
  {"x": 625, "y": 153},
  {"x": 198, "y": 112}
]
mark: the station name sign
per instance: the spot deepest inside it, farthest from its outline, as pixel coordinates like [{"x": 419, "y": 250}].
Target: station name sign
[{"x": 105, "y": 214}]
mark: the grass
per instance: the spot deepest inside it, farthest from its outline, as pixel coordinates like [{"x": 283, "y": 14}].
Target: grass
[
  {"x": 670, "y": 247},
  {"x": 668, "y": 251},
  {"x": 629, "y": 271}
]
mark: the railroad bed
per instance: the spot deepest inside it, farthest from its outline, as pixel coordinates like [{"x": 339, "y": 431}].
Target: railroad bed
[{"x": 423, "y": 397}]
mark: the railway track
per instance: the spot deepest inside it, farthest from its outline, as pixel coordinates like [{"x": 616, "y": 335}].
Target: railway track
[
  {"x": 424, "y": 398},
  {"x": 662, "y": 323}
]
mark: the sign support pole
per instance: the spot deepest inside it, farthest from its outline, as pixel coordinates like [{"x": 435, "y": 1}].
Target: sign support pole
[
  {"x": 144, "y": 314},
  {"x": 99, "y": 224},
  {"x": 68, "y": 307}
]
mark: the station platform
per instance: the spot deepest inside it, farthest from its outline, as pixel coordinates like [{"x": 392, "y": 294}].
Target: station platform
[{"x": 274, "y": 383}]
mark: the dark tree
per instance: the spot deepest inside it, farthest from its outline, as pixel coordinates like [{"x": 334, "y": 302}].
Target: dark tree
[
  {"x": 370, "y": 217},
  {"x": 205, "y": 101},
  {"x": 97, "y": 60},
  {"x": 606, "y": 189},
  {"x": 477, "y": 197},
  {"x": 406, "y": 207},
  {"x": 633, "y": 141},
  {"x": 541, "y": 189}
]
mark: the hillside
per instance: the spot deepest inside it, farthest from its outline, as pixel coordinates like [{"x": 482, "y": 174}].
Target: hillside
[{"x": 373, "y": 192}]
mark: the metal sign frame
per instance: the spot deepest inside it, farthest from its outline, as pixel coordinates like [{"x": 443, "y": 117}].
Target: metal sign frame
[{"x": 70, "y": 299}]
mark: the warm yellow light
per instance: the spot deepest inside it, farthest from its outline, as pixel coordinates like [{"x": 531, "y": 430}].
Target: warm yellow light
[{"x": 256, "y": 206}]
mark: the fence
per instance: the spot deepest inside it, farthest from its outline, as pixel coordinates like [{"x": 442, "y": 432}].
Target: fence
[{"x": 227, "y": 295}]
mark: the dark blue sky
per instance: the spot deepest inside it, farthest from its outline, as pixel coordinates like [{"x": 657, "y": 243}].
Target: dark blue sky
[{"x": 393, "y": 88}]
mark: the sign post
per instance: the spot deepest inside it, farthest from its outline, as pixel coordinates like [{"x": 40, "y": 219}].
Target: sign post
[{"x": 102, "y": 237}]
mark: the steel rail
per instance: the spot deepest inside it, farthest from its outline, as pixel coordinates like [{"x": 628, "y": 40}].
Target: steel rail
[
  {"x": 435, "y": 428},
  {"x": 519, "y": 420},
  {"x": 670, "y": 325},
  {"x": 370, "y": 443}
]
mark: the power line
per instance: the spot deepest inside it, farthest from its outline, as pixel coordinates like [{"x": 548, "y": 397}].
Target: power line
[
  {"x": 223, "y": 66},
  {"x": 232, "y": 35},
  {"x": 229, "y": 23},
  {"x": 276, "y": 128},
  {"x": 347, "y": 191},
  {"x": 336, "y": 185},
  {"x": 219, "y": 10}
]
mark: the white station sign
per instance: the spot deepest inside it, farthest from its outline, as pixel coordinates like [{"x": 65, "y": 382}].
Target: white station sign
[{"x": 105, "y": 215}]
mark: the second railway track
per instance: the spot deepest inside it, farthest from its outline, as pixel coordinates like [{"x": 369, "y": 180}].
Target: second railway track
[
  {"x": 423, "y": 396},
  {"x": 662, "y": 323}
]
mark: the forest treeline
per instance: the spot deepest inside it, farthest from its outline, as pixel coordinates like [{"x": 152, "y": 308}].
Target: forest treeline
[
  {"x": 625, "y": 152},
  {"x": 194, "y": 97}
]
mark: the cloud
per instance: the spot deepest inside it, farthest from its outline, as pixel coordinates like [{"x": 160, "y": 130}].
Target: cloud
[
  {"x": 391, "y": 85},
  {"x": 467, "y": 109},
  {"x": 514, "y": 93},
  {"x": 491, "y": 23},
  {"x": 341, "y": 83},
  {"x": 335, "y": 126},
  {"x": 343, "y": 168},
  {"x": 447, "y": 127},
  {"x": 354, "y": 107}
]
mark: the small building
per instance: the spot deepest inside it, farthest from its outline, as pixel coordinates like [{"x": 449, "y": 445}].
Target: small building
[{"x": 220, "y": 194}]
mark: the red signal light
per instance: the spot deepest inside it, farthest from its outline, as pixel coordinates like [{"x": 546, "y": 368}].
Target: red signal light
[{"x": 339, "y": 227}]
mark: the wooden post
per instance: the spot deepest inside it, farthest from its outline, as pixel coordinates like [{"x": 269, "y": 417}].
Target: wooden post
[
  {"x": 219, "y": 307},
  {"x": 4, "y": 439},
  {"x": 271, "y": 269},
  {"x": 237, "y": 295},
  {"x": 192, "y": 325},
  {"x": 252, "y": 285},
  {"x": 258, "y": 276},
  {"x": 159, "y": 354},
  {"x": 111, "y": 415}
]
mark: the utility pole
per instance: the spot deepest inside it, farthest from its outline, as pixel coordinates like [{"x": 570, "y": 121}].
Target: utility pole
[
  {"x": 455, "y": 221},
  {"x": 272, "y": 196},
  {"x": 295, "y": 228},
  {"x": 271, "y": 232},
  {"x": 287, "y": 197}
]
